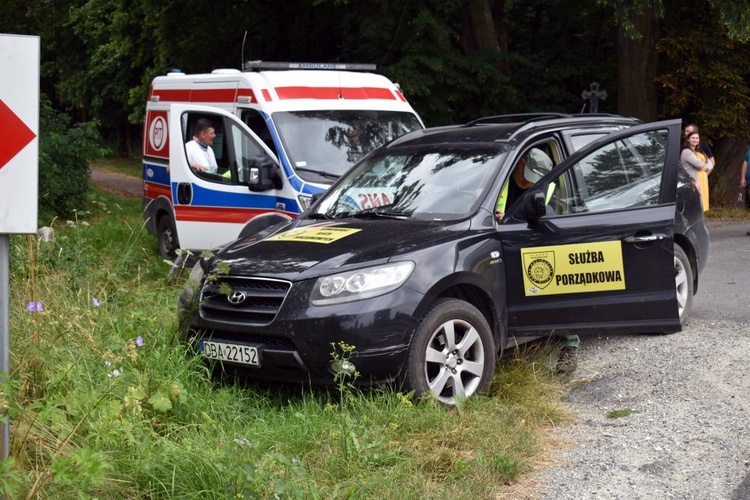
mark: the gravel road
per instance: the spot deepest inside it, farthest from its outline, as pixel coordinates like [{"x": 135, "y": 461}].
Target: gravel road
[{"x": 688, "y": 436}]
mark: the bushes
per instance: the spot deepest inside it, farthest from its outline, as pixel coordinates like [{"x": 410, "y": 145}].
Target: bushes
[{"x": 63, "y": 166}]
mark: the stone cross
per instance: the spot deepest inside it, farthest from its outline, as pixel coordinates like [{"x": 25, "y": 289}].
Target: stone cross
[{"x": 594, "y": 95}]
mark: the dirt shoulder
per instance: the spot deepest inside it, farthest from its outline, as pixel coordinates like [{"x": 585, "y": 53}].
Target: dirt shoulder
[{"x": 120, "y": 184}]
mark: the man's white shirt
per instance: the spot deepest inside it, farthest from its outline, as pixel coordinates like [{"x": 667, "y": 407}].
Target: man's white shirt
[{"x": 198, "y": 154}]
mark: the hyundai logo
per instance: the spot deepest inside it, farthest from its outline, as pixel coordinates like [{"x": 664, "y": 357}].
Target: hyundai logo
[{"x": 236, "y": 298}]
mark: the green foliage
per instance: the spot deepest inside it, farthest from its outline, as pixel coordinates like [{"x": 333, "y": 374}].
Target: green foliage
[
  {"x": 63, "y": 166},
  {"x": 10, "y": 479},
  {"x": 100, "y": 56},
  {"x": 105, "y": 403},
  {"x": 702, "y": 82},
  {"x": 625, "y": 412}
]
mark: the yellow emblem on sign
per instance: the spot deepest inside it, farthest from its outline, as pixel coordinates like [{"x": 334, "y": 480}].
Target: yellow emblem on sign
[
  {"x": 579, "y": 268},
  {"x": 315, "y": 234}
]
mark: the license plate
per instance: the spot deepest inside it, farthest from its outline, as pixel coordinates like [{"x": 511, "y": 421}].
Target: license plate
[{"x": 234, "y": 353}]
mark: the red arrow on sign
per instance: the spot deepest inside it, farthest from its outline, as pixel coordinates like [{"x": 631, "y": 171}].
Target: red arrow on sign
[{"x": 17, "y": 134}]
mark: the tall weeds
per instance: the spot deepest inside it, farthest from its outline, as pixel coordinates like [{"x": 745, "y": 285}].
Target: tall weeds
[{"x": 104, "y": 402}]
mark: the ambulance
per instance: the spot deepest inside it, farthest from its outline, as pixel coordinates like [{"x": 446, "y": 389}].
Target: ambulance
[{"x": 284, "y": 132}]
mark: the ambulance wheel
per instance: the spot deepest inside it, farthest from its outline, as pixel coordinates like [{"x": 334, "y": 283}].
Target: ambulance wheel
[
  {"x": 683, "y": 284},
  {"x": 167, "y": 238},
  {"x": 452, "y": 355}
]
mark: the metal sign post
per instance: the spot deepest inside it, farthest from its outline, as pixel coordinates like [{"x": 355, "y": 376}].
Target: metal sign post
[
  {"x": 19, "y": 172},
  {"x": 4, "y": 337}
]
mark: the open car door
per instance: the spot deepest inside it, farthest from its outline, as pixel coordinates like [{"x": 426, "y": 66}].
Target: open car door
[
  {"x": 590, "y": 246},
  {"x": 212, "y": 208}
]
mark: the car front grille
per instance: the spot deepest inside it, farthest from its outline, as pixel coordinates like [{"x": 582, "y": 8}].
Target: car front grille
[
  {"x": 250, "y": 301},
  {"x": 273, "y": 341}
]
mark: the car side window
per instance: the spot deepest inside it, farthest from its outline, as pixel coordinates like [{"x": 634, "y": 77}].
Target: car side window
[
  {"x": 218, "y": 145},
  {"x": 246, "y": 152},
  {"x": 622, "y": 174}
]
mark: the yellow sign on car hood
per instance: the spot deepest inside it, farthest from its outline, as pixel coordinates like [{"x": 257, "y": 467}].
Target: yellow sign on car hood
[{"x": 315, "y": 234}]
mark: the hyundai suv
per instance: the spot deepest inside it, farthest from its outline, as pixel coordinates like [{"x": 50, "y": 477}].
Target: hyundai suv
[{"x": 409, "y": 259}]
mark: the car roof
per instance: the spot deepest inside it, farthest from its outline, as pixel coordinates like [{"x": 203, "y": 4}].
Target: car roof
[{"x": 505, "y": 128}]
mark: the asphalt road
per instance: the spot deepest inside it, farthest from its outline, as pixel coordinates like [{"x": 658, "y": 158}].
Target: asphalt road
[{"x": 724, "y": 290}]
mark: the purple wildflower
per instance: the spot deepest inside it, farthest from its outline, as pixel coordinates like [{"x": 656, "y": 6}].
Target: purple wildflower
[
  {"x": 95, "y": 301},
  {"x": 34, "y": 306},
  {"x": 139, "y": 341}
]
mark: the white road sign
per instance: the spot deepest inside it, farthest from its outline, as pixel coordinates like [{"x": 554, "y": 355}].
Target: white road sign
[{"x": 19, "y": 122}]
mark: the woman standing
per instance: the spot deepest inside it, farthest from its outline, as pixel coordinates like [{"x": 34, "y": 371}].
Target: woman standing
[{"x": 694, "y": 161}]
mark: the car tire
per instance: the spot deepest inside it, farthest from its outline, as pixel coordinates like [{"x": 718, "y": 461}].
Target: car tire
[
  {"x": 167, "y": 238},
  {"x": 452, "y": 354},
  {"x": 683, "y": 284}
]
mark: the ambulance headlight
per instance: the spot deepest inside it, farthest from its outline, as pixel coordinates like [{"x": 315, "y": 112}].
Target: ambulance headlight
[
  {"x": 304, "y": 202},
  {"x": 360, "y": 284}
]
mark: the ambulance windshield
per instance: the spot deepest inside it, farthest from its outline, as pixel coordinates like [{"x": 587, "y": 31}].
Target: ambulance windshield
[{"x": 332, "y": 141}]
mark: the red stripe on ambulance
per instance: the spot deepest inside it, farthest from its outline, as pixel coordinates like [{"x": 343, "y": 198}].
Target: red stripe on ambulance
[
  {"x": 203, "y": 95},
  {"x": 153, "y": 190},
  {"x": 334, "y": 93},
  {"x": 188, "y": 213}
]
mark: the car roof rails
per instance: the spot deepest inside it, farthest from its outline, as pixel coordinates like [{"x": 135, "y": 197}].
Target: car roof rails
[
  {"x": 514, "y": 118},
  {"x": 275, "y": 65}
]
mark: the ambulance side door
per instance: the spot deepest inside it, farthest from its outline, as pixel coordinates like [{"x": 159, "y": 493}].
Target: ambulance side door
[
  {"x": 212, "y": 208},
  {"x": 591, "y": 245}
]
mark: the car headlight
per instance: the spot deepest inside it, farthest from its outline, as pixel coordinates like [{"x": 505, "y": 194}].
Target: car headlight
[{"x": 360, "y": 284}]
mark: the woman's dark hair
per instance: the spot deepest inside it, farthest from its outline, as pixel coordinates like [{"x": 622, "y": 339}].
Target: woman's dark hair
[{"x": 686, "y": 142}]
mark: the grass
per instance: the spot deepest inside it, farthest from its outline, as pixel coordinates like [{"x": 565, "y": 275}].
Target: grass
[
  {"x": 104, "y": 402},
  {"x": 727, "y": 213},
  {"x": 625, "y": 412}
]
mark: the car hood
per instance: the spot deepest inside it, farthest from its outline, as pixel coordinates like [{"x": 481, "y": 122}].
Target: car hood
[{"x": 304, "y": 249}]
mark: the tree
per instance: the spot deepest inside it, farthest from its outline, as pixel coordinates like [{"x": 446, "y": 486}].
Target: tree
[{"x": 64, "y": 152}]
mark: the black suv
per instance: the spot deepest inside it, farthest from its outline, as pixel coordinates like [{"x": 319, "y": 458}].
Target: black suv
[{"x": 423, "y": 261}]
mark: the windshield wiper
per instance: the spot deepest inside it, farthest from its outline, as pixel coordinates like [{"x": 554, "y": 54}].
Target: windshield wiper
[
  {"x": 319, "y": 215},
  {"x": 321, "y": 173},
  {"x": 381, "y": 211}
]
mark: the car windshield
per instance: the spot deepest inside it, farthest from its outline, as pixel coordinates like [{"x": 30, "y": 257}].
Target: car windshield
[
  {"x": 426, "y": 184},
  {"x": 327, "y": 143}
]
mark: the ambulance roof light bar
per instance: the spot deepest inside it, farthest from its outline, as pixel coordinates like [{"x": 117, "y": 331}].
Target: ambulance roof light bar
[{"x": 262, "y": 65}]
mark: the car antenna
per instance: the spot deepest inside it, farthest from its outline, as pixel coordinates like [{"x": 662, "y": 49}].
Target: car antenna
[{"x": 242, "y": 52}]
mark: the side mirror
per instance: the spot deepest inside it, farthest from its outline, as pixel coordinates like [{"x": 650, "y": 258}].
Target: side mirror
[
  {"x": 534, "y": 206},
  {"x": 262, "y": 174}
]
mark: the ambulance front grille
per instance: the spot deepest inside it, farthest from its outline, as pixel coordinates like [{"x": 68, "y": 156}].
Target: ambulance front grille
[{"x": 250, "y": 301}]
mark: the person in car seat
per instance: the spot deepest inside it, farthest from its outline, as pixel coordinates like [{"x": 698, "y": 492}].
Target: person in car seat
[{"x": 530, "y": 168}]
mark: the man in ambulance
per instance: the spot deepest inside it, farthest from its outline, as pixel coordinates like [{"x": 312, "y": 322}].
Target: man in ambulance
[{"x": 200, "y": 154}]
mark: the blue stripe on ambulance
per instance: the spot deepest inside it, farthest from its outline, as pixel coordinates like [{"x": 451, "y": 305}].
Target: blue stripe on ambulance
[
  {"x": 153, "y": 172},
  {"x": 212, "y": 198}
]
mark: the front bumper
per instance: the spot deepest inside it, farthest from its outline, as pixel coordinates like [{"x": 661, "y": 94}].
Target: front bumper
[{"x": 301, "y": 341}]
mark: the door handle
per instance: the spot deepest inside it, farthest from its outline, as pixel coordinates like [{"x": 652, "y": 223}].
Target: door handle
[{"x": 645, "y": 239}]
